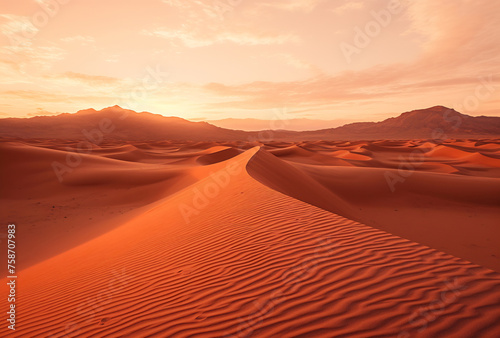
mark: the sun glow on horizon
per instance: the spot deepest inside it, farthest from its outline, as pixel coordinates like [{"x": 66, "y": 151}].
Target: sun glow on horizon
[{"x": 346, "y": 60}]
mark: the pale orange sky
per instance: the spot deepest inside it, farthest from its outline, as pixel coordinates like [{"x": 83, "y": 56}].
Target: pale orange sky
[{"x": 315, "y": 59}]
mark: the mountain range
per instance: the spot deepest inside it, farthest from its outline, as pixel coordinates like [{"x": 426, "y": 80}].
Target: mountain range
[{"x": 116, "y": 123}]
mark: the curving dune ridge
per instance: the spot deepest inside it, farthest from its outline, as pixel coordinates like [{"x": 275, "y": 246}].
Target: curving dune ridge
[{"x": 232, "y": 241}]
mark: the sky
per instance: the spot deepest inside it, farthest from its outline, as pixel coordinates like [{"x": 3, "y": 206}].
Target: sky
[{"x": 218, "y": 59}]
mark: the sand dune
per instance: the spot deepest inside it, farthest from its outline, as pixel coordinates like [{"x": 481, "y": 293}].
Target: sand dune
[
  {"x": 234, "y": 240},
  {"x": 218, "y": 155}
]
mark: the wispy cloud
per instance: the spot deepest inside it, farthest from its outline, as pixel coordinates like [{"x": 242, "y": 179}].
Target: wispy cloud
[
  {"x": 32, "y": 59},
  {"x": 291, "y": 5},
  {"x": 193, "y": 39},
  {"x": 18, "y": 30},
  {"x": 93, "y": 80},
  {"x": 348, "y": 6}
]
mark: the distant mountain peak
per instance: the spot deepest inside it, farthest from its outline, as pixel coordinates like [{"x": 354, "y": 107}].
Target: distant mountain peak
[
  {"x": 433, "y": 110},
  {"x": 114, "y": 108},
  {"x": 433, "y": 116},
  {"x": 438, "y": 108},
  {"x": 86, "y": 111},
  {"x": 129, "y": 125}
]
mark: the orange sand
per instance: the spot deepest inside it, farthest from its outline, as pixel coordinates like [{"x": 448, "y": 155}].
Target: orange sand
[{"x": 271, "y": 240}]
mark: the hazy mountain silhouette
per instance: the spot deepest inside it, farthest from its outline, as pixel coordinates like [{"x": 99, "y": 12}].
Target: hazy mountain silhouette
[
  {"x": 434, "y": 122},
  {"x": 116, "y": 123}
]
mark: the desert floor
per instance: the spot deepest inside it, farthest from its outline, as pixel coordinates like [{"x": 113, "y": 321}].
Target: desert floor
[{"x": 309, "y": 239}]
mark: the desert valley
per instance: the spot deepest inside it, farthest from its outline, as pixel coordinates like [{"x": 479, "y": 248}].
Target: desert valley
[
  {"x": 250, "y": 169},
  {"x": 239, "y": 238}
]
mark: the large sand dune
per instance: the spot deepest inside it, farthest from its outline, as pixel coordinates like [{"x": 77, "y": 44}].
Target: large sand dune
[{"x": 309, "y": 239}]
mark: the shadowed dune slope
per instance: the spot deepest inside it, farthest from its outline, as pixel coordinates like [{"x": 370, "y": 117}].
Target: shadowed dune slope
[
  {"x": 218, "y": 156},
  {"x": 453, "y": 213}
]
